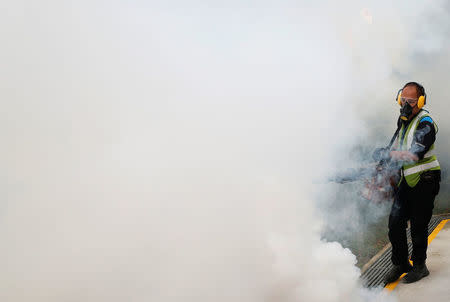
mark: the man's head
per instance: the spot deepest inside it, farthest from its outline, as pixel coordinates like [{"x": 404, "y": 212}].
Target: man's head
[{"x": 412, "y": 95}]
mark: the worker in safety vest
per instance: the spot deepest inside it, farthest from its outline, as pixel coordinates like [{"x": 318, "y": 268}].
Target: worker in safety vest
[{"x": 418, "y": 186}]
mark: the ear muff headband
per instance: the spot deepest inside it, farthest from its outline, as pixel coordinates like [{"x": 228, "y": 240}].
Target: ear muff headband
[{"x": 422, "y": 99}]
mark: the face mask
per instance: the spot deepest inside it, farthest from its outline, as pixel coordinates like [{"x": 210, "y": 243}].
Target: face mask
[{"x": 405, "y": 111}]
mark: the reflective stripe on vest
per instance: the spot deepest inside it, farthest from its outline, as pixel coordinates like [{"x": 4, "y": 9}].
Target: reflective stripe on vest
[
  {"x": 411, "y": 171},
  {"x": 420, "y": 168}
]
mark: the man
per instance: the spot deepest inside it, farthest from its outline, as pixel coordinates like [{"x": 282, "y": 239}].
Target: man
[{"x": 418, "y": 187}]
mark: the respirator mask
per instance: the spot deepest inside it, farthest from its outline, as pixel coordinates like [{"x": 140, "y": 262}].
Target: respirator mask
[{"x": 405, "y": 111}]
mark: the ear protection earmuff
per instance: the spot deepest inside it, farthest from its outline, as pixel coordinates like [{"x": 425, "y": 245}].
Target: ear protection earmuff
[{"x": 422, "y": 98}]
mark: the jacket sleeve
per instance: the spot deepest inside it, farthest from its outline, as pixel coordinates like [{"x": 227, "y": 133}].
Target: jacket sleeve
[{"x": 424, "y": 137}]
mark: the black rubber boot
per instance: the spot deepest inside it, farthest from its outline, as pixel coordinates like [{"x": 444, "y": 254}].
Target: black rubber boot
[
  {"x": 418, "y": 272},
  {"x": 396, "y": 271}
]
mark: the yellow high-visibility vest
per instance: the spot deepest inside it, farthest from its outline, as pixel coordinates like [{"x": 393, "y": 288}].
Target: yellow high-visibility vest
[{"x": 411, "y": 171}]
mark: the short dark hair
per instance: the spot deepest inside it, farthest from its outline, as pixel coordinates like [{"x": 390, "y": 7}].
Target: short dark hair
[{"x": 419, "y": 88}]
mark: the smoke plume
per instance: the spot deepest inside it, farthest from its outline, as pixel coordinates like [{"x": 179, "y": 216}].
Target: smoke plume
[{"x": 166, "y": 151}]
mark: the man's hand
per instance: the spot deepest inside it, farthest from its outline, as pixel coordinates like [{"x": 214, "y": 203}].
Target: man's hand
[{"x": 403, "y": 156}]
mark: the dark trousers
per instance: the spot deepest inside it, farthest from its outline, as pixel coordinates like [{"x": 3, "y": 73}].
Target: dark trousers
[{"x": 414, "y": 204}]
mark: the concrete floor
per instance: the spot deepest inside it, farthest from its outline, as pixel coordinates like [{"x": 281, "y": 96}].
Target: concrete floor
[{"x": 436, "y": 286}]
